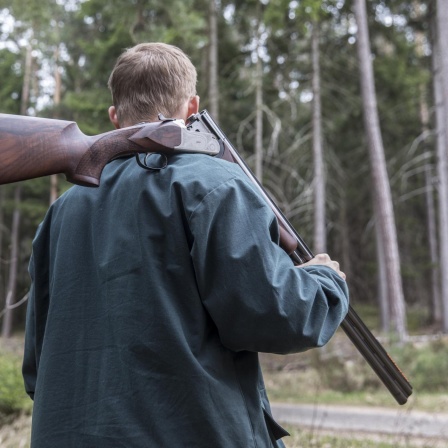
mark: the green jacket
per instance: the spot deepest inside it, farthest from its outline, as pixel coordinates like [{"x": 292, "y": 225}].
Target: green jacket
[{"x": 151, "y": 297}]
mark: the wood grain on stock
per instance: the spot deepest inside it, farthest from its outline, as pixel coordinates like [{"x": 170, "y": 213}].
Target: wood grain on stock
[
  {"x": 34, "y": 147},
  {"x": 135, "y": 139}
]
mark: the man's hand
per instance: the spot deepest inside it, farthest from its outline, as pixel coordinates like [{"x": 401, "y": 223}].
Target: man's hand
[{"x": 324, "y": 260}]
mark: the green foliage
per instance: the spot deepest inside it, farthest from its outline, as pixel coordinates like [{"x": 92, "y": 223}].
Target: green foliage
[
  {"x": 11, "y": 85},
  {"x": 91, "y": 117},
  {"x": 13, "y": 398},
  {"x": 337, "y": 374},
  {"x": 426, "y": 365},
  {"x": 345, "y": 375},
  {"x": 315, "y": 438}
]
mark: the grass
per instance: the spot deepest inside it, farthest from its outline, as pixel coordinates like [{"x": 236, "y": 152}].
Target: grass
[
  {"x": 13, "y": 398},
  {"x": 338, "y": 374},
  {"x": 306, "y": 387},
  {"x": 15, "y": 405},
  {"x": 318, "y": 439}
]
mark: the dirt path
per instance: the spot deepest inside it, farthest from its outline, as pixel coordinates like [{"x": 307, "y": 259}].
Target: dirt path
[{"x": 403, "y": 422}]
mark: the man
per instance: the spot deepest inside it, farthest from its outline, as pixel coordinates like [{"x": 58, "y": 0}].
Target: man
[{"x": 152, "y": 295}]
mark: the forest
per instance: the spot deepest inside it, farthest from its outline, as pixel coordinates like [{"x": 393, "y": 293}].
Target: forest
[{"x": 340, "y": 108}]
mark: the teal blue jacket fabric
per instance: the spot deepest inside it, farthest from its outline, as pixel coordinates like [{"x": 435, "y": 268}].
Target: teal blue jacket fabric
[{"x": 151, "y": 298}]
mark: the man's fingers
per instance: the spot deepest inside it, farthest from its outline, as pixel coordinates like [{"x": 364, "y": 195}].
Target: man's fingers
[{"x": 325, "y": 260}]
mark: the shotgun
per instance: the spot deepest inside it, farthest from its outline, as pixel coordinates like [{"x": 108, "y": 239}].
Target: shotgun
[{"x": 35, "y": 147}]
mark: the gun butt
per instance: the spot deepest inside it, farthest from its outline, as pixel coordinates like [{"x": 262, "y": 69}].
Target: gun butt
[{"x": 33, "y": 147}]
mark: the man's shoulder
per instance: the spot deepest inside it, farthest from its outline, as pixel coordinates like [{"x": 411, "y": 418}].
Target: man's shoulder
[
  {"x": 205, "y": 163},
  {"x": 206, "y": 170}
]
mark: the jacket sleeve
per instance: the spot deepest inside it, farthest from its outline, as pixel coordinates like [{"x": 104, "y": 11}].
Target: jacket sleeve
[{"x": 257, "y": 298}]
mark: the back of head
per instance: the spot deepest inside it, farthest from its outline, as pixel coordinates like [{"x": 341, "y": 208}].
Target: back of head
[{"x": 149, "y": 79}]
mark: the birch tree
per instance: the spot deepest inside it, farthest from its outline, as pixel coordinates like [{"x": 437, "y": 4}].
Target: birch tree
[
  {"x": 2, "y": 230},
  {"x": 213, "y": 90},
  {"x": 258, "y": 97},
  {"x": 56, "y": 101},
  {"x": 382, "y": 192},
  {"x": 320, "y": 237},
  {"x": 441, "y": 101}
]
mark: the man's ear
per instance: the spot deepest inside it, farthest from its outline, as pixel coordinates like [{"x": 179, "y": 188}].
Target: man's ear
[
  {"x": 193, "y": 105},
  {"x": 113, "y": 117}
]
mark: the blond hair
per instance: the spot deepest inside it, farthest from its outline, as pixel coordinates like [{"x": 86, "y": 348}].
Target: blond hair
[{"x": 149, "y": 79}]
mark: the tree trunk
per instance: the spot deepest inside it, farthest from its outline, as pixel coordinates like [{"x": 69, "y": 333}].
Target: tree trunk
[
  {"x": 213, "y": 91},
  {"x": 441, "y": 101},
  {"x": 13, "y": 265},
  {"x": 258, "y": 100},
  {"x": 344, "y": 241},
  {"x": 320, "y": 237},
  {"x": 26, "y": 81},
  {"x": 54, "y": 193},
  {"x": 436, "y": 300},
  {"x": 383, "y": 296},
  {"x": 2, "y": 228},
  {"x": 383, "y": 195},
  {"x": 436, "y": 303},
  {"x": 259, "y": 120}
]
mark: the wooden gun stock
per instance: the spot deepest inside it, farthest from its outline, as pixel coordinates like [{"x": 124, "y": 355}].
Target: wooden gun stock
[{"x": 34, "y": 147}]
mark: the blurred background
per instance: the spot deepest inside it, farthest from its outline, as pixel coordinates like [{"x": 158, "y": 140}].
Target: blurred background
[{"x": 340, "y": 107}]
